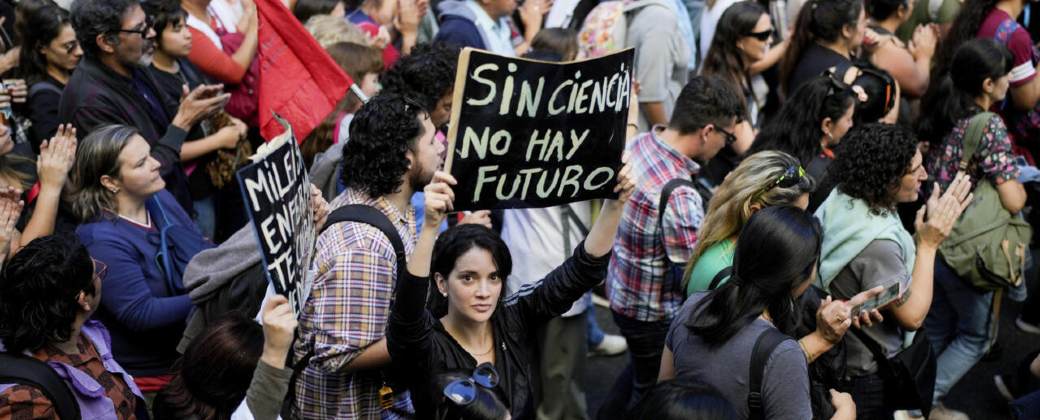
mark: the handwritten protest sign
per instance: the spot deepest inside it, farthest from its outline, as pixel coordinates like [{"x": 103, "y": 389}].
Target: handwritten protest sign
[
  {"x": 536, "y": 134},
  {"x": 276, "y": 191}
]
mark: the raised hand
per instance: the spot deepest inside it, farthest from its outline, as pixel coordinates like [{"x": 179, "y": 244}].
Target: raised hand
[
  {"x": 279, "y": 326},
  {"x": 439, "y": 198},
  {"x": 319, "y": 207},
  {"x": 479, "y": 217},
  {"x": 943, "y": 211},
  {"x": 56, "y": 157},
  {"x": 10, "y": 210},
  {"x": 199, "y": 104}
]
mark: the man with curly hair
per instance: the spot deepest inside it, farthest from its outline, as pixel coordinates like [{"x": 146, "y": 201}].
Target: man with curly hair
[
  {"x": 48, "y": 292},
  {"x": 391, "y": 155},
  {"x": 865, "y": 245}
]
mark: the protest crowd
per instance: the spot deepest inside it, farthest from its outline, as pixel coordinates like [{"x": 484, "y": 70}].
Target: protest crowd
[{"x": 412, "y": 209}]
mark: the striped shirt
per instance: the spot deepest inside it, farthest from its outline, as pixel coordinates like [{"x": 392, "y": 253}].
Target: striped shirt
[
  {"x": 355, "y": 270},
  {"x": 635, "y": 279}
]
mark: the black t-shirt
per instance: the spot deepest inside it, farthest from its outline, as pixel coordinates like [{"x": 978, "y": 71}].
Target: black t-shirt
[
  {"x": 814, "y": 62},
  {"x": 199, "y": 183}
]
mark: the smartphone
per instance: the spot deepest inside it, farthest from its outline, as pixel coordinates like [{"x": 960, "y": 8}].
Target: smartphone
[{"x": 890, "y": 294}]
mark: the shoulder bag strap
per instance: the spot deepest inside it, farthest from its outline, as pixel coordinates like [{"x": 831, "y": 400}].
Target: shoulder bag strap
[
  {"x": 26, "y": 370},
  {"x": 973, "y": 137},
  {"x": 719, "y": 277},
  {"x": 875, "y": 349},
  {"x": 764, "y": 346},
  {"x": 662, "y": 203}
]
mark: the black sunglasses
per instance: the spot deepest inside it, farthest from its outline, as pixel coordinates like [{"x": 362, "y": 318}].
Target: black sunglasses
[
  {"x": 762, "y": 36},
  {"x": 464, "y": 391},
  {"x": 791, "y": 177}
]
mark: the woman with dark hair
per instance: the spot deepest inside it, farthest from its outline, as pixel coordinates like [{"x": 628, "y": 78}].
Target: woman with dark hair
[
  {"x": 774, "y": 263},
  {"x": 677, "y": 400},
  {"x": 997, "y": 19},
  {"x": 48, "y": 292},
  {"x": 960, "y": 318},
  {"x": 740, "y": 51},
  {"x": 909, "y": 63},
  {"x": 810, "y": 125},
  {"x": 866, "y": 246},
  {"x": 884, "y": 102},
  {"x": 119, "y": 196},
  {"x": 235, "y": 370},
  {"x": 827, "y": 33},
  {"x": 49, "y": 53},
  {"x": 471, "y": 321}
]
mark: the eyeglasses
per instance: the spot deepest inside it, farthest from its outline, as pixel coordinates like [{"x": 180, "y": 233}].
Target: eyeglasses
[
  {"x": 730, "y": 138},
  {"x": 143, "y": 31},
  {"x": 70, "y": 47},
  {"x": 464, "y": 391},
  {"x": 762, "y": 36}
]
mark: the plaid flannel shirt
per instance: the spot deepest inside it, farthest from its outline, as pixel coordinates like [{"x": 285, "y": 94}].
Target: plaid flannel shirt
[
  {"x": 347, "y": 310},
  {"x": 635, "y": 279}
]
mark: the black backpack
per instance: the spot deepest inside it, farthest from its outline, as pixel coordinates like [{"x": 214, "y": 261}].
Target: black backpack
[
  {"x": 24, "y": 370},
  {"x": 350, "y": 213}
]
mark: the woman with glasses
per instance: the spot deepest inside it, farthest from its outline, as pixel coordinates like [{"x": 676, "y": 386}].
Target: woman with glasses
[
  {"x": 865, "y": 246},
  {"x": 810, "y": 124},
  {"x": 470, "y": 322},
  {"x": 774, "y": 263},
  {"x": 960, "y": 318},
  {"x": 119, "y": 196},
  {"x": 48, "y": 292},
  {"x": 49, "y": 54},
  {"x": 740, "y": 51}
]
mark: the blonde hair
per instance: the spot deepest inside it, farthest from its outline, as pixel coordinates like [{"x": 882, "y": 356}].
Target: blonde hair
[
  {"x": 328, "y": 30},
  {"x": 96, "y": 156},
  {"x": 731, "y": 206}
]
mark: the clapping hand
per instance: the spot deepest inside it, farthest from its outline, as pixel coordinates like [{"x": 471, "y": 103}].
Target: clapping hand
[
  {"x": 56, "y": 157},
  {"x": 943, "y": 211},
  {"x": 10, "y": 210}
]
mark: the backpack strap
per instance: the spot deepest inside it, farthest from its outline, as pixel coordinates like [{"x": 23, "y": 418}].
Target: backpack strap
[
  {"x": 24, "y": 370},
  {"x": 359, "y": 213},
  {"x": 666, "y": 193},
  {"x": 973, "y": 137},
  {"x": 767, "y": 341},
  {"x": 43, "y": 86},
  {"x": 723, "y": 274}
]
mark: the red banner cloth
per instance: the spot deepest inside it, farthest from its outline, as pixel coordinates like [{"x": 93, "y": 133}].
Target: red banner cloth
[{"x": 298, "y": 80}]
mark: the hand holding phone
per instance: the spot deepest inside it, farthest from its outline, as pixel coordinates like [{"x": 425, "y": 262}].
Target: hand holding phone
[{"x": 887, "y": 296}]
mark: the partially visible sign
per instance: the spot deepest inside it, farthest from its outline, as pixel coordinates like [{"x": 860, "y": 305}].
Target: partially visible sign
[
  {"x": 276, "y": 191},
  {"x": 536, "y": 134}
]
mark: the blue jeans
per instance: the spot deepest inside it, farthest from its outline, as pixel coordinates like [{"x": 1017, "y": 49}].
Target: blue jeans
[
  {"x": 595, "y": 333},
  {"x": 961, "y": 326}
]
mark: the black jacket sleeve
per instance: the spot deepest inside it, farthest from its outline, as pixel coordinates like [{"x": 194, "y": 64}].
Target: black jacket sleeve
[
  {"x": 409, "y": 331},
  {"x": 551, "y": 296}
]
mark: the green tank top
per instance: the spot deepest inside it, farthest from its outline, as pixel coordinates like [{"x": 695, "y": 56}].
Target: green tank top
[{"x": 714, "y": 259}]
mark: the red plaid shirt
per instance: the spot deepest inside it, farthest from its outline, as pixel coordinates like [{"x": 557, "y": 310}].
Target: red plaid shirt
[{"x": 635, "y": 279}]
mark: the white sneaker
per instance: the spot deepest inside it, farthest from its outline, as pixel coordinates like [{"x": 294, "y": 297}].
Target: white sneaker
[{"x": 612, "y": 345}]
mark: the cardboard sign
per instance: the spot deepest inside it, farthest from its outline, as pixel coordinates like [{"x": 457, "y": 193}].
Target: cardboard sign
[
  {"x": 276, "y": 191},
  {"x": 536, "y": 134}
]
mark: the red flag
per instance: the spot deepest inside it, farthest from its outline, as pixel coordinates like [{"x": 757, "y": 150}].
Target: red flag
[{"x": 297, "y": 79}]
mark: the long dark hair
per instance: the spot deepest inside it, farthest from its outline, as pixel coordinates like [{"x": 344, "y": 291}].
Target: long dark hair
[
  {"x": 680, "y": 400},
  {"x": 776, "y": 253},
  {"x": 819, "y": 20},
  {"x": 211, "y": 379},
  {"x": 964, "y": 28},
  {"x": 42, "y": 24},
  {"x": 953, "y": 98},
  {"x": 724, "y": 59},
  {"x": 796, "y": 128}
]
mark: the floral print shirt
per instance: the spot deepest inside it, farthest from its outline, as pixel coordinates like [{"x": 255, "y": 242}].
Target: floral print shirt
[{"x": 993, "y": 159}]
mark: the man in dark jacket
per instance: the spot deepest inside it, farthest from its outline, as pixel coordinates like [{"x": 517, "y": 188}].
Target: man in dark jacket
[{"x": 109, "y": 87}]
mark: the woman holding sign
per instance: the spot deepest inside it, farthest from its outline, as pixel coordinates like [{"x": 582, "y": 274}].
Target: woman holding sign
[{"x": 475, "y": 328}]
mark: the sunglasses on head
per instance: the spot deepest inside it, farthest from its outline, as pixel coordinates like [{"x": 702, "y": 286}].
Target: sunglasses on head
[
  {"x": 762, "y": 36},
  {"x": 464, "y": 391},
  {"x": 792, "y": 176}
]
